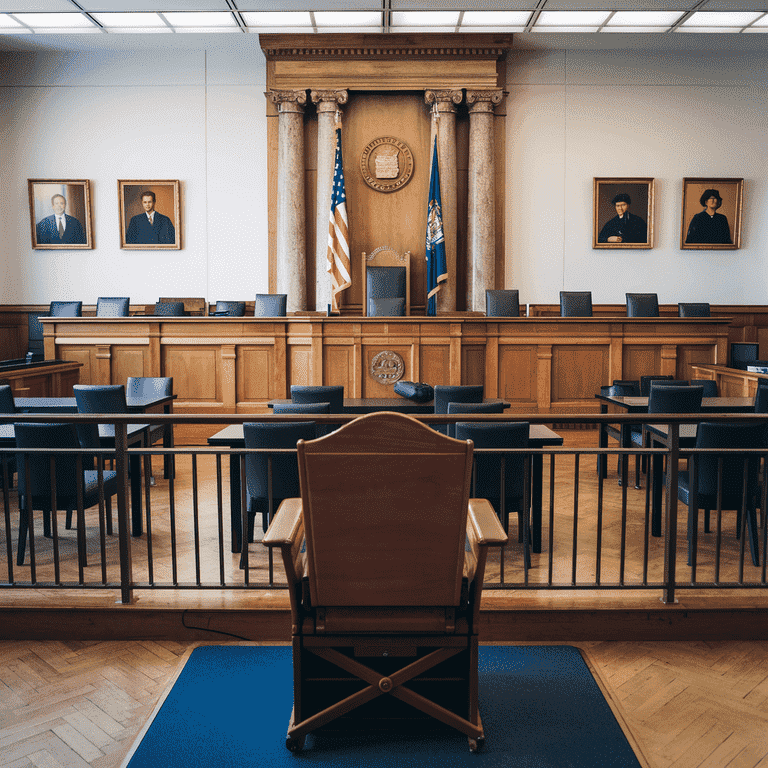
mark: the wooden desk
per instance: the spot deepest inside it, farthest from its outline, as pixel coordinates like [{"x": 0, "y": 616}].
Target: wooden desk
[
  {"x": 45, "y": 378},
  {"x": 731, "y": 381},
  {"x": 398, "y": 404}
]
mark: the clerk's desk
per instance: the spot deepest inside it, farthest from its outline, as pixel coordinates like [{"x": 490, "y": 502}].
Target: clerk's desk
[{"x": 238, "y": 364}]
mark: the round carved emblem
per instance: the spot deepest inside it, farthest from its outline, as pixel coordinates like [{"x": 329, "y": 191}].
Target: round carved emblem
[
  {"x": 387, "y": 367},
  {"x": 386, "y": 164}
]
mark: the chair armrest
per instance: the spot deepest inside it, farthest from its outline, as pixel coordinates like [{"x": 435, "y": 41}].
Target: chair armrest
[
  {"x": 286, "y": 526},
  {"x": 484, "y": 524}
]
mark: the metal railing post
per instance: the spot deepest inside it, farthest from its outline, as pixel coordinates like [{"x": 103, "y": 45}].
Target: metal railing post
[
  {"x": 670, "y": 527},
  {"x": 123, "y": 513}
]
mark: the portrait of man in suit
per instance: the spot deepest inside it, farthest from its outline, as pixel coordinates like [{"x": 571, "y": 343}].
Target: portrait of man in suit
[
  {"x": 623, "y": 213},
  {"x": 60, "y": 214},
  {"x": 150, "y": 214}
]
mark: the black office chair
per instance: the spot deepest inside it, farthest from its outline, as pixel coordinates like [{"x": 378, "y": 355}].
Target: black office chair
[
  {"x": 229, "y": 309},
  {"x": 285, "y": 472},
  {"x": 725, "y": 436},
  {"x": 472, "y": 408},
  {"x": 667, "y": 383},
  {"x": 270, "y": 305},
  {"x": 334, "y": 395},
  {"x": 66, "y": 478},
  {"x": 153, "y": 386},
  {"x": 487, "y": 468},
  {"x": 576, "y": 303},
  {"x": 761, "y": 397},
  {"x": 7, "y": 406},
  {"x": 502, "y": 303},
  {"x": 645, "y": 383},
  {"x": 66, "y": 309},
  {"x": 709, "y": 385},
  {"x": 744, "y": 353},
  {"x": 284, "y": 408},
  {"x": 642, "y": 305},
  {"x": 169, "y": 309},
  {"x": 35, "y": 335},
  {"x": 445, "y": 394},
  {"x": 386, "y": 291},
  {"x": 700, "y": 309},
  {"x": 621, "y": 389},
  {"x": 112, "y": 306}
]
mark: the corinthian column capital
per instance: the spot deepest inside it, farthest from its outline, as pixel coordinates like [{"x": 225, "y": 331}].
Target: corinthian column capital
[
  {"x": 446, "y": 100},
  {"x": 484, "y": 101},
  {"x": 288, "y": 101}
]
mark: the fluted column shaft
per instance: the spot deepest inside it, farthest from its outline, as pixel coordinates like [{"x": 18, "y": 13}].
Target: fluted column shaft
[
  {"x": 446, "y": 151},
  {"x": 481, "y": 225},
  {"x": 291, "y": 208},
  {"x": 328, "y": 103}
]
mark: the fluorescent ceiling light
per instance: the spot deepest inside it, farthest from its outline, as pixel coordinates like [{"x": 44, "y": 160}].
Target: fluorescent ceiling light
[
  {"x": 200, "y": 19},
  {"x": 129, "y": 20},
  {"x": 565, "y": 29},
  {"x": 721, "y": 18},
  {"x": 67, "y": 21},
  {"x": 277, "y": 18},
  {"x": 8, "y": 22},
  {"x": 144, "y": 30},
  {"x": 200, "y": 30},
  {"x": 754, "y": 29},
  {"x": 425, "y": 18},
  {"x": 483, "y": 30},
  {"x": 495, "y": 18},
  {"x": 348, "y": 18},
  {"x": 762, "y": 22},
  {"x": 634, "y": 29},
  {"x": 709, "y": 30},
  {"x": 423, "y": 30},
  {"x": 642, "y": 18},
  {"x": 571, "y": 18}
]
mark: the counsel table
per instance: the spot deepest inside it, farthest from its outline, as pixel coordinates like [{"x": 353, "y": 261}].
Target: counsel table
[{"x": 232, "y": 437}]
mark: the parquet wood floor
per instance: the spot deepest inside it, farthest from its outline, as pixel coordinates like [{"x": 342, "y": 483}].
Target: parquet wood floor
[{"x": 685, "y": 704}]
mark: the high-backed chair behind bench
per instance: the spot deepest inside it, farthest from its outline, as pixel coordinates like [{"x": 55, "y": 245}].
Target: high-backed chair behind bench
[
  {"x": 169, "y": 309},
  {"x": 229, "y": 309},
  {"x": 196, "y": 307},
  {"x": 642, "y": 305},
  {"x": 387, "y": 593},
  {"x": 700, "y": 309},
  {"x": 270, "y": 305},
  {"x": 386, "y": 280},
  {"x": 113, "y": 306},
  {"x": 66, "y": 309},
  {"x": 502, "y": 303},
  {"x": 576, "y": 303}
]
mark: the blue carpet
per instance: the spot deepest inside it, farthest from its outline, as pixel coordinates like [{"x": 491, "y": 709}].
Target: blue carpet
[{"x": 230, "y": 706}]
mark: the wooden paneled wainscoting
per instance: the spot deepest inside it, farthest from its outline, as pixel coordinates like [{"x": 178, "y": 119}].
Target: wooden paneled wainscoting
[{"x": 597, "y": 571}]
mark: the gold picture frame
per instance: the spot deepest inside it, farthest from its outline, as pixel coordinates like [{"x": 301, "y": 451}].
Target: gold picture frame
[
  {"x": 150, "y": 214},
  {"x": 711, "y": 222},
  {"x": 60, "y": 214},
  {"x": 623, "y": 213}
]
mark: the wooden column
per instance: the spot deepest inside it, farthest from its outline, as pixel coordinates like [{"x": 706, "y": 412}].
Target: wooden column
[{"x": 291, "y": 207}]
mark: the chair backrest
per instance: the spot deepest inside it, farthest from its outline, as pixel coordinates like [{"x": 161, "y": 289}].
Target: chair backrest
[
  {"x": 100, "y": 398},
  {"x": 674, "y": 399},
  {"x": 668, "y": 383},
  {"x": 7, "y": 404},
  {"x": 743, "y": 353},
  {"x": 622, "y": 390},
  {"x": 488, "y": 479},
  {"x": 645, "y": 383},
  {"x": 472, "y": 408},
  {"x": 279, "y": 408},
  {"x": 270, "y": 305},
  {"x": 720, "y": 435},
  {"x": 112, "y": 306},
  {"x": 285, "y": 473},
  {"x": 328, "y": 394},
  {"x": 709, "y": 385},
  {"x": 149, "y": 386},
  {"x": 35, "y": 333},
  {"x": 502, "y": 303},
  {"x": 169, "y": 309},
  {"x": 761, "y": 397},
  {"x": 387, "y": 277},
  {"x": 642, "y": 305},
  {"x": 700, "y": 309},
  {"x": 192, "y": 306},
  {"x": 635, "y": 385},
  {"x": 230, "y": 308},
  {"x": 384, "y": 503},
  {"x": 47, "y": 436},
  {"x": 445, "y": 394},
  {"x": 66, "y": 309},
  {"x": 576, "y": 303}
]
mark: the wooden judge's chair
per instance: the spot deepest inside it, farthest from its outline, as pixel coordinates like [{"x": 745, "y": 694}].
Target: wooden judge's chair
[
  {"x": 386, "y": 283},
  {"x": 385, "y": 595}
]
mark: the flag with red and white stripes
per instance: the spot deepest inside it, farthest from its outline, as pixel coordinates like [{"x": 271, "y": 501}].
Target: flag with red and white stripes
[{"x": 338, "y": 231}]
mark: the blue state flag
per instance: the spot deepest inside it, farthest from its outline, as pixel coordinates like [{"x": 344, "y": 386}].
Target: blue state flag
[{"x": 437, "y": 270}]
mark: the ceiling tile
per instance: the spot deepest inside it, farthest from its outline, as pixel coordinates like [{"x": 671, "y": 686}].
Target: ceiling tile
[
  {"x": 462, "y": 5},
  {"x": 153, "y": 5},
  {"x": 34, "y": 6},
  {"x": 639, "y": 5},
  {"x": 734, "y": 5},
  {"x": 309, "y": 5}
]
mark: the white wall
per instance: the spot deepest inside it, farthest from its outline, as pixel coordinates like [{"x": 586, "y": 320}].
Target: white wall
[
  {"x": 193, "y": 115},
  {"x": 575, "y": 115},
  {"x": 198, "y": 115}
]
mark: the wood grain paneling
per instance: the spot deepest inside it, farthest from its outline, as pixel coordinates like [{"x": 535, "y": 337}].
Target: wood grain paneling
[
  {"x": 578, "y": 371},
  {"x": 640, "y": 360},
  {"x": 472, "y": 363},
  {"x": 299, "y": 365},
  {"x": 518, "y": 375},
  {"x": 194, "y": 371},
  {"x": 83, "y": 355},
  {"x": 128, "y": 361},
  {"x": 255, "y": 374}
]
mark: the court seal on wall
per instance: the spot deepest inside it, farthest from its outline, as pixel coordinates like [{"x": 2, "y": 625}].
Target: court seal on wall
[
  {"x": 387, "y": 367},
  {"x": 386, "y": 164}
]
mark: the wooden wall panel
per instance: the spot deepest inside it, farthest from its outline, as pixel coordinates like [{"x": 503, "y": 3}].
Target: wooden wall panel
[
  {"x": 83, "y": 355},
  {"x": 518, "y": 374},
  {"x": 299, "y": 365},
  {"x": 128, "y": 361},
  {"x": 435, "y": 363},
  {"x": 194, "y": 370},
  {"x": 640, "y": 360},
  {"x": 578, "y": 372},
  {"x": 339, "y": 367},
  {"x": 689, "y": 355},
  {"x": 372, "y": 387},
  {"x": 472, "y": 364},
  {"x": 255, "y": 373}
]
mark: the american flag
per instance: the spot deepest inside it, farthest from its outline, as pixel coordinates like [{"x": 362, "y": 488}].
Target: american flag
[{"x": 338, "y": 231}]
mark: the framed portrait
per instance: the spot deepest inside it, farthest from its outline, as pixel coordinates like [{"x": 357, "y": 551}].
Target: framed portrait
[
  {"x": 150, "y": 215},
  {"x": 711, "y": 218},
  {"x": 623, "y": 213},
  {"x": 60, "y": 214}
]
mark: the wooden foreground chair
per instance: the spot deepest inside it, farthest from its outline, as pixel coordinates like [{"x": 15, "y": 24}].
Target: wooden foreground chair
[{"x": 385, "y": 596}]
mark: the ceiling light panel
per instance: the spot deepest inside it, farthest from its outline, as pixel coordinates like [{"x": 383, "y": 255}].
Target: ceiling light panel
[
  {"x": 348, "y": 18},
  {"x": 119, "y": 6},
  {"x": 495, "y": 18},
  {"x": 571, "y": 18},
  {"x": 647, "y": 30},
  {"x": 709, "y": 30},
  {"x": 761, "y": 22},
  {"x": 197, "y": 19},
  {"x": 315, "y": 5},
  {"x": 644, "y": 18},
  {"x": 55, "y": 20},
  {"x": 578, "y": 30},
  {"x": 281, "y": 19},
  {"x": 129, "y": 20},
  {"x": 33, "y": 6},
  {"x": 425, "y": 18},
  {"x": 721, "y": 19},
  {"x": 8, "y": 22}
]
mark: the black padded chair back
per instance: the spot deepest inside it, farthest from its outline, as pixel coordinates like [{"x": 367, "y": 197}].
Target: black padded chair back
[
  {"x": 761, "y": 397},
  {"x": 668, "y": 383},
  {"x": 445, "y": 394},
  {"x": 66, "y": 309},
  {"x": 230, "y": 309},
  {"x": 329, "y": 394},
  {"x": 576, "y": 303},
  {"x": 743, "y": 353},
  {"x": 700, "y": 309},
  {"x": 628, "y": 383},
  {"x": 149, "y": 386},
  {"x": 270, "y": 305},
  {"x": 642, "y": 305},
  {"x": 283, "y": 408},
  {"x": 169, "y": 309},
  {"x": 7, "y": 404},
  {"x": 385, "y": 290},
  {"x": 35, "y": 335},
  {"x": 502, "y": 303},
  {"x": 710, "y": 386},
  {"x": 472, "y": 408},
  {"x": 683, "y": 399},
  {"x": 47, "y": 436},
  {"x": 112, "y": 306},
  {"x": 645, "y": 383},
  {"x": 96, "y": 398},
  {"x": 622, "y": 390}
]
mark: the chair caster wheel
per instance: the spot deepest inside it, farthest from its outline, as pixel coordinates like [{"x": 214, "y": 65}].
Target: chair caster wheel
[
  {"x": 294, "y": 745},
  {"x": 475, "y": 745}
]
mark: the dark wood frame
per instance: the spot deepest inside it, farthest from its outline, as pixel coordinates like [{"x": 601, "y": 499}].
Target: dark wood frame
[
  {"x": 615, "y": 186},
  {"x": 152, "y": 186},
  {"x": 85, "y": 184},
  {"x": 696, "y": 186}
]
